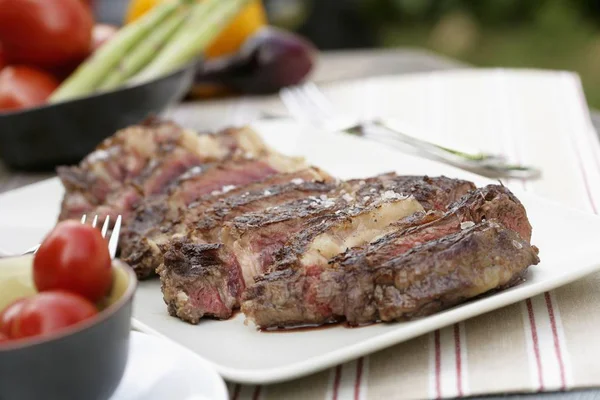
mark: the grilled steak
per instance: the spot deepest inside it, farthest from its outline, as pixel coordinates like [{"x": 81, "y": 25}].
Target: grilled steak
[
  {"x": 227, "y": 222},
  {"x": 352, "y": 214},
  {"x": 200, "y": 211},
  {"x": 434, "y": 193},
  {"x": 249, "y": 243},
  {"x": 201, "y": 278},
  {"x": 143, "y": 160},
  {"x": 295, "y": 277},
  {"x": 429, "y": 277},
  {"x": 492, "y": 202}
]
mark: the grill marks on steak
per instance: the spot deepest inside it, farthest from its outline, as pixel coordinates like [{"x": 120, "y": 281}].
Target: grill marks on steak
[
  {"x": 314, "y": 227},
  {"x": 434, "y": 193},
  {"x": 428, "y": 278},
  {"x": 294, "y": 282},
  {"x": 438, "y": 274},
  {"x": 248, "y": 249},
  {"x": 492, "y": 202},
  {"x": 143, "y": 160},
  {"x": 317, "y": 226},
  {"x": 200, "y": 278},
  {"x": 155, "y": 219},
  {"x": 195, "y": 282}
]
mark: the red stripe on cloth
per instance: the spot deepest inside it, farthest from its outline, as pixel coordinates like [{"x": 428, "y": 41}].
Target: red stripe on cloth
[
  {"x": 438, "y": 365},
  {"x": 336, "y": 382},
  {"x": 536, "y": 345},
  {"x": 357, "y": 381},
  {"x": 256, "y": 394},
  {"x": 236, "y": 392},
  {"x": 563, "y": 383},
  {"x": 457, "y": 348}
]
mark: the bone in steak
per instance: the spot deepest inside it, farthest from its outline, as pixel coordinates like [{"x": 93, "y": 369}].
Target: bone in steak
[
  {"x": 156, "y": 220},
  {"x": 143, "y": 160},
  {"x": 194, "y": 274},
  {"x": 274, "y": 300}
]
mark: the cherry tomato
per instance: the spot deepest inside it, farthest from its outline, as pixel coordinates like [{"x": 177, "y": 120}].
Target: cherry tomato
[
  {"x": 49, "y": 312},
  {"x": 74, "y": 257},
  {"x": 22, "y": 87},
  {"x": 101, "y": 34},
  {"x": 45, "y": 33},
  {"x": 2, "y": 57},
  {"x": 7, "y": 317}
]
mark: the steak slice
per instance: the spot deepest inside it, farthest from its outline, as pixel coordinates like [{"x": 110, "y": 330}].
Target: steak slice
[
  {"x": 159, "y": 219},
  {"x": 142, "y": 160},
  {"x": 297, "y": 280},
  {"x": 434, "y": 193},
  {"x": 155, "y": 215},
  {"x": 437, "y": 275},
  {"x": 428, "y": 278},
  {"x": 200, "y": 278}
]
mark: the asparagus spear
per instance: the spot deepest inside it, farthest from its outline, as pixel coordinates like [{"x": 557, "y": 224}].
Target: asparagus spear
[
  {"x": 142, "y": 54},
  {"x": 206, "y": 21},
  {"x": 90, "y": 73}
]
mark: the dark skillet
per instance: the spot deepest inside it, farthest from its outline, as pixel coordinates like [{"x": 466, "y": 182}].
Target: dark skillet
[{"x": 43, "y": 137}]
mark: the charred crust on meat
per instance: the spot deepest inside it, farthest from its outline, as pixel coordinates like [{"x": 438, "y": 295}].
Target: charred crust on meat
[{"x": 186, "y": 258}]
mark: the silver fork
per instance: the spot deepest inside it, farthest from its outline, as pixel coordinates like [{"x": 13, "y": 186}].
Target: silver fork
[
  {"x": 113, "y": 241},
  {"x": 307, "y": 103}
]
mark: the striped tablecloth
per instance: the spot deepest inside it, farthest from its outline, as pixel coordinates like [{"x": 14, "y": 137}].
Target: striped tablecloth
[{"x": 545, "y": 343}]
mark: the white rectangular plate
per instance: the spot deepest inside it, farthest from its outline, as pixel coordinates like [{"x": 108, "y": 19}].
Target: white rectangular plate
[{"x": 567, "y": 239}]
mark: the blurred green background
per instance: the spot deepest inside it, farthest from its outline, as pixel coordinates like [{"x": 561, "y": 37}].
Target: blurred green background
[{"x": 556, "y": 34}]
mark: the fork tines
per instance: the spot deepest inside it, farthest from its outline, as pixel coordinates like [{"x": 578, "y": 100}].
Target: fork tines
[{"x": 113, "y": 241}]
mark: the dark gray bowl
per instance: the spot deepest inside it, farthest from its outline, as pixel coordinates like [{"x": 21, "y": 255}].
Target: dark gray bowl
[
  {"x": 85, "y": 361},
  {"x": 43, "y": 137}
]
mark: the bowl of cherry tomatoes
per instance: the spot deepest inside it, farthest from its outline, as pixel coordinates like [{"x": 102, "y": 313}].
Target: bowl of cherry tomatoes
[{"x": 64, "y": 318}]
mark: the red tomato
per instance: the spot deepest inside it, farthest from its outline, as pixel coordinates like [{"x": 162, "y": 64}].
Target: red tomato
[
  {"x": 74, "y": 257},
  {"x": 3, "y": 338},
  {"x": 2, "y": 57},
  {"x": 22, "y": 87},
  {"x": 102, "y": 33},
  {"x": 49, "y": 312},
  {"x": 7, "y": 317},
  {"x": 45, "y": 33}
]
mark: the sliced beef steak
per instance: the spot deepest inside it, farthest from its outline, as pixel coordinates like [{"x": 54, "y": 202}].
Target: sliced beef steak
[
  {"x": 295, "y": 277},
  {"x": 249, "y": 243},
  {"x": 429, "y": 277},
  {"x": 200, "y": 278},
  {"x": 143, "y": 160},
  {"x": 434, "y": 193},
  {"x": 354, "y": 213},
  {"x": 437, "y": 274},
  {"x": 156, "y": 215},
  {"x": 158, "y": 220}
]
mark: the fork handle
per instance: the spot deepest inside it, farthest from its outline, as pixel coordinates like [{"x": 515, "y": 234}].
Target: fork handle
[
  {"x": 483, "y": 164},
  {"x": 434, "y": 148}
]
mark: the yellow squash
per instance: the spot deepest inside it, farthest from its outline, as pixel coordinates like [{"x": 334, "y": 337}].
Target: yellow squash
[{"x": 251, "y": 18}]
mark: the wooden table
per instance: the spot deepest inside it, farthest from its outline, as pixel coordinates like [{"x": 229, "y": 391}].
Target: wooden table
[{"x": 334, "y": 66}]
